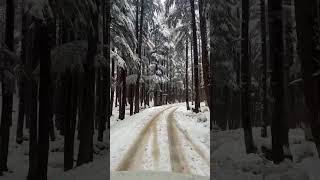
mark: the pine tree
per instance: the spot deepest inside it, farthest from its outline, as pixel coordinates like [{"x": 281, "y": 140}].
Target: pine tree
[
  {"x": 7, "y": 92},
  {"x": 265, "y": 66},
  {"x": 187, "y": 76},
  {"x": 246, "y": 79},
  {"x": 195, "y": 55},
  {"x": 279, "y": 129}
]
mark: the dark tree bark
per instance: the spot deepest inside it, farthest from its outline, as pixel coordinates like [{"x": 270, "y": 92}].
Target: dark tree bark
[
  {"x": 192, "y": 74},
  {"x": 137, "y": 90},
  {"x": 22, "y": 80},
  {"x": 32, "y": 101},
  {"x": 117, "y": 88},
  {"x": 137, "y": 20},
  {"x": 204, "y": 41},
  {"x": 66, "y": 83},
  {"x": 246, "y": 79},
  {"x": 86, "y": 119},
  {"x": 288, "y": 61},
  {"x": 106, "y": 39},
  {"x": 7, "y": 94},
  {"x": 132, "y": 88},
  {"x": 44, "y": 99},
  {"x": 98, "y": 96},
  {"x": 265, "y": 68},
  {"x": 212, "y": 63},
  {"x": 70, "y": 82},
  {"x": 306, "y": 13},
  {"x": 279, "y": 129},
  {"x": 187, "y": 76},
  {"x": 195, "y": 54},
  {"x": 131, "y": 96},
  {"x": 123, "y": 98},
  {"x": 32, "y": 115},
  {"x": 86, "y": 130},
  {"x": 112, "y": 88}
]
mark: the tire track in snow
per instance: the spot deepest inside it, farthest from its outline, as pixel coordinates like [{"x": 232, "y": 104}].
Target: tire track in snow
[
  {"x": 178, "y": 161},
  {"x": 134, "y": 155},
  {"x": 195, "y": 147},
  {"x": 155, "y": 146}
]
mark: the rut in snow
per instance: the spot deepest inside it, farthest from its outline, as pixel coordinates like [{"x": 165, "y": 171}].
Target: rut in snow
[
  {"x": 178, "y": 161},
  {"x": 155, "y": 146},
  {"x": 195, "y": 147},
  {"x": 134, "y": 156}
]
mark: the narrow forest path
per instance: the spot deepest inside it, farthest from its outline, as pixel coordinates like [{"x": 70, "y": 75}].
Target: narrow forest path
[{"x": 162, "y": 145}]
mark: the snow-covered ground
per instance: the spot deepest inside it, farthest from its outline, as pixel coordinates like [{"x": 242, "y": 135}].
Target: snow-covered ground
[
  {"x": 191, "y": 134},
  {"x": 231, "y": 162},
  {"x": 167, "y": 139}
]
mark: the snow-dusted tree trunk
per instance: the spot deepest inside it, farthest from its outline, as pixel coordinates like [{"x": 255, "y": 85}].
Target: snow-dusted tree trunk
[
  {"x": 246, "y": 79},
  {"x": 195, "y": 55},
  {"x": 137, "y": 90}
]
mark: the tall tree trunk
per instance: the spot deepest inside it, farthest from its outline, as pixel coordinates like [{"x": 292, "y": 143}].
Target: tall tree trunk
[
  {"x": 122, "y": 108},
  {"x": 265, "y": 68},
  {"x": 112, "y": 88},
  {"x": 187, "y": 76},
  {"x": 204, "y": 41},
  {"x": 131, "y": 86},
  {"x": 22, "y": 80},
  {"x": 192, "y": 74},
  {"x": 279, "y": 129},
  {"x": 117, "y": 88},
  {"x": 32, "y": 116},
  {"x": 86, "y": 130},
  {"x": 44, "y": 99},
  {"x": 195, "y": 54},
  {"x": 288, "y": 61},
  {"x": 7, "y": 94},
  {"x": 137, "y": 94},
  {"x": 98, "y": 103},
  {"x": 32, "y": 101},
  {"x": 71, "y": 88},
  {"x": 106, "y": 39},
  {"x": 106, "y": 103},
  {"x": 131, "y": 97},
  {"x": 246, "y": 79},
  {"x": 306, "y": 14},
  {"x": 212, "y": 63}
]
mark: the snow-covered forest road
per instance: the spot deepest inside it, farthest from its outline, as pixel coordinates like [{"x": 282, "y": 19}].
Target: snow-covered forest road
[{"x": 158, "y": 140}]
